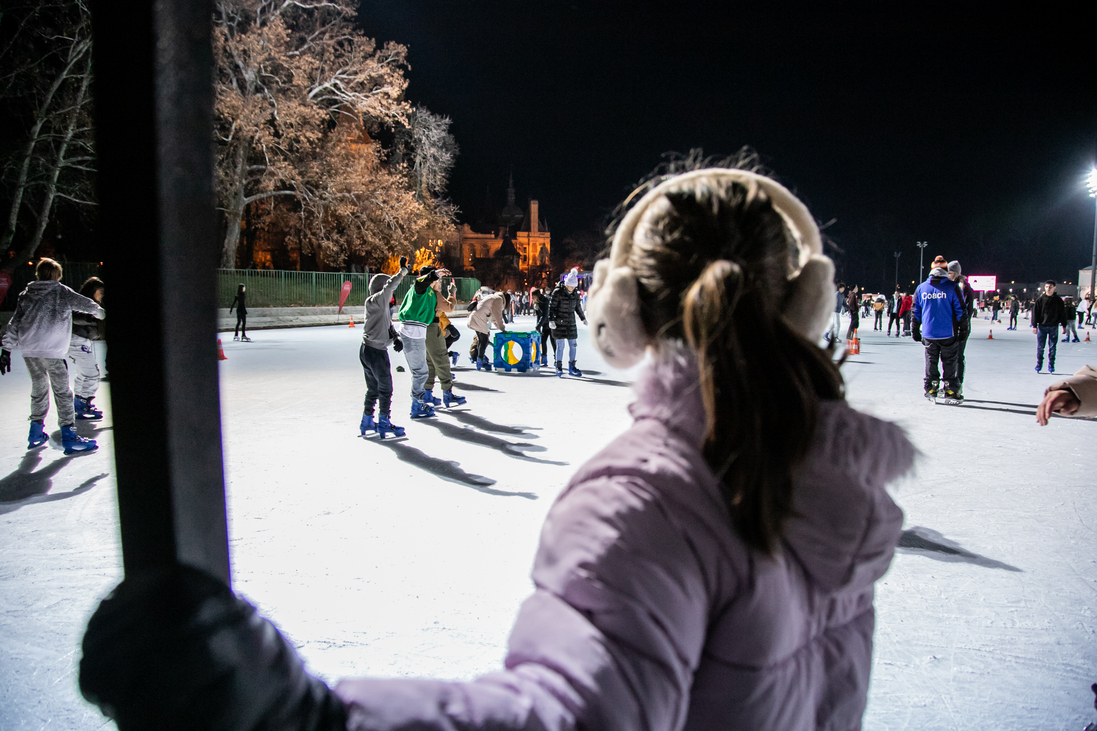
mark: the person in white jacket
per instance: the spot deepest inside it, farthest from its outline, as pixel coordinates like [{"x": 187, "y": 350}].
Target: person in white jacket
[{"x": 42, "y": 328}]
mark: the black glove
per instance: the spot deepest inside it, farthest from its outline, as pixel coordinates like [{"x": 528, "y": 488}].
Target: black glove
[
  {"x": 5, "y": 362},
  {"x": 916, "y": 331},
  {"x": 403, "y": 262},
  {"x": 397, "y": 344},
  {"x": 175, "y": 649}
]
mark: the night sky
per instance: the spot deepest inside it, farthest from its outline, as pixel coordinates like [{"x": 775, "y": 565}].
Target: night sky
[{"x": 971, "y": 131}]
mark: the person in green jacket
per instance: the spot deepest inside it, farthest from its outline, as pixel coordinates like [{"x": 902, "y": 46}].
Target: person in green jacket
[{"x": 416, "y": 315}]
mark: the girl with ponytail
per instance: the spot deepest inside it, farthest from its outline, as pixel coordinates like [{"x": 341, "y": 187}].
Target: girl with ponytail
[{"x": 712, "y": 567}]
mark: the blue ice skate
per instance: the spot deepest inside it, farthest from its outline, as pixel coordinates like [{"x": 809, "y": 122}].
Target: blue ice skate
[
  {"x": 367, "y": 424},
  {"x": 37, "y": 436},
  {"x": 73, "y": 442},
  {"x": 453, "y": 356},
  {"x": 421, "y": 410},
  {"x": 484, "y": 364},
  {"x": 450, "y": 400},
  {"x": 384, "y": 426},
  {"x": 84, "y": 409},
  {"x": 428, "y": 398},
  {"x": 573, "y": 371}
]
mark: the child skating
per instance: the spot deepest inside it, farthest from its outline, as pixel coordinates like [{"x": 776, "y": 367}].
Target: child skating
[
  {"x": 86, "y": 330},
  {"x": 42, "y": 328},
  {"x": 377, "y": 335}
]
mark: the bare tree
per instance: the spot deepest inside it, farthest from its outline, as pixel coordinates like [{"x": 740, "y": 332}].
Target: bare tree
[
  {"x": 288, "y": 70},
  {"x": 47, "y": 57},
  {"x": 427, "y": 144}
]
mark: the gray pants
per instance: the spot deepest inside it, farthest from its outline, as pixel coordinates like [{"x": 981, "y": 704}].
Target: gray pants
[
  {"x": 44, "y": 374},
  {"x": 82, "y": 355},
  {"x": 415, "y": 352}
]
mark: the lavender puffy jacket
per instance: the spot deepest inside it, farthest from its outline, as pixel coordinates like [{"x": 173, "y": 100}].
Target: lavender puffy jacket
[{"x": 650, "y": 613}]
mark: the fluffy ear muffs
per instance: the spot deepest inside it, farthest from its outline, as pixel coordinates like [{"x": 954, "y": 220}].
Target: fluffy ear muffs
[
  {"x": 613, "y": 305},
  {"x": 613, "y": 309}
]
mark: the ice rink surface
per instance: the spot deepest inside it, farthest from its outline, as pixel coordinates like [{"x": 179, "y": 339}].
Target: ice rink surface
[{"x": 410, "y": 557}]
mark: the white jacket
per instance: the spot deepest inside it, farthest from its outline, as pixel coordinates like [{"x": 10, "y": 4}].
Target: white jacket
[{"x": 42, "y": 324}]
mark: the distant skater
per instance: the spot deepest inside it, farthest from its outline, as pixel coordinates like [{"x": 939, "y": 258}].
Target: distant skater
[{"x": 240, "y": 303}]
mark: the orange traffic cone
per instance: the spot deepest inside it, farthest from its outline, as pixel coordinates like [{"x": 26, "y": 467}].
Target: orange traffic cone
[
  {"x": 990, "y": 336},
  {"x": 854, "y": 347},
  {"x": 351, "y": 322},
  {"x": 220, "y": 351},
  {"x": 1087, "y": 336}
]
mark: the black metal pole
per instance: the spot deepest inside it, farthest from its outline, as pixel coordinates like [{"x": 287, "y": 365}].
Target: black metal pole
[{"x": 153, "y": 114}]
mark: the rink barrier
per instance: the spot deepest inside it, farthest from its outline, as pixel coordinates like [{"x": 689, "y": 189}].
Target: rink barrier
[
  {"x": 267, "y": 318},
  {"x": 281, "y": 288}
]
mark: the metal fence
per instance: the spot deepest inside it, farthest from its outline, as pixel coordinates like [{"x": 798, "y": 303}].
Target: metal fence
[
  {"x": 265, "y": 287},
  {"x": 277, "y": 288}
]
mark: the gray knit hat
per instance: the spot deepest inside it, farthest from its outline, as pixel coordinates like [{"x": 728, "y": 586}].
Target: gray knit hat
[{"x": 954, "y": 267}]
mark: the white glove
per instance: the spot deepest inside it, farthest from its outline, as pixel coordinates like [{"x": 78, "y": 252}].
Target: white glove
[{"x": 552, "y": 324}]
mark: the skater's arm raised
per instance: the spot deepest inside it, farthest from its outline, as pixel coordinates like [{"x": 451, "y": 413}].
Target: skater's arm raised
[{"x": 79, "y": 303}]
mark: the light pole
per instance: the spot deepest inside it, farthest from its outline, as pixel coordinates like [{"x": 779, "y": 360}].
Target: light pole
[
  {"x": 1092, "y": 180},
  {"x": 897, "y": 255},
  {"x": 921, "y": 253}
]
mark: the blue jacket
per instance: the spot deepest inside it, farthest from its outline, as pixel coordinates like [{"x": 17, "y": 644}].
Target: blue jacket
[{"x": 938, "y": 308}]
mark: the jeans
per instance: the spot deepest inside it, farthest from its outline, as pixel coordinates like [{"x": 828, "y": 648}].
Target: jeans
[
  {"x": 415, "y": 353},
  {"x": 835, "y": 325},
  {"x": 1072, "y": 331},
  {"x": 1013, "y": 320},
  {"x": 879, "y": 324},
  {"x": 1046, "y": 334},
  {"x": 375, "y": 365},
  {"x": 47, "y": 373},
  {"x": 572, "y": 345},
  {"x": 946, "y": 351}
]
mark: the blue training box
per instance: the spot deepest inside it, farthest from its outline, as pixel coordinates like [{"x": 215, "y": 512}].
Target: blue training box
[{"x": 517, "y": 350}]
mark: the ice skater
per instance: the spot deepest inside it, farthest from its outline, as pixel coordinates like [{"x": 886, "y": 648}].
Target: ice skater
[
  {"x": 377, "y": 335},
  {"x": 712, "y": 567},
  {"x": 86, "y": 331},
  {"x": 564, "y": 307},
  {"x": 936, "y": 315},
  {"x": 417, "y": 313},
  {"x": 488, "y": 310},
  {"x": 437, "y": 349},
  {"x": 1014, "y": 311},
  {"x": 967, "y": 298},
  {"x": 240, "y": 303},
  {"x": 1048, "y": 315},
  {"x": 42, "y": 328},
  {"x": 1070, "y": 311}
]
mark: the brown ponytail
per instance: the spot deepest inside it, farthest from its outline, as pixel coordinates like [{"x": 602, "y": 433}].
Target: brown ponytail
[{"x": 712, "y": 269}]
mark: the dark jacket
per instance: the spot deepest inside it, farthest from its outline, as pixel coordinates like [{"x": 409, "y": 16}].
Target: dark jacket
[
  {"x": 239, "y": 302},
  {"x": 83, "y": 324},
  {"x": 563, "y": 307},
  {"x": 1049, "y": 311}
]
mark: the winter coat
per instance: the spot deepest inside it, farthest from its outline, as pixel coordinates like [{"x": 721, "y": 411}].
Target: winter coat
[
  {"x": 1049, "y": 311},
  {"x": 563, "y": 307},
  {"x": 490, "y": 310},
  {"x": 42, "y": 324},
  {"x": 1083, "y": 385},
  {"x": 377, "y": 320},
  {"x": 908, "y": 304},
  {"x": 650, "y": 612},
  {"x": 937, "y": 308}
]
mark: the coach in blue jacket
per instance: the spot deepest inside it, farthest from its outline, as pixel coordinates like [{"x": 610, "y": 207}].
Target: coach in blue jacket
[{"x": 937, "y": 314}]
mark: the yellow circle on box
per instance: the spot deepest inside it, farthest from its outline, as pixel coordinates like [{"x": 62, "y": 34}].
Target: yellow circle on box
[{"x": 512, "y": 352}]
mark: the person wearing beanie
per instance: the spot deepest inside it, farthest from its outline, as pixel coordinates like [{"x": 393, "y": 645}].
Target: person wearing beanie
[
  {"x": 563, "y": 308},
  {"x": 1048, "y": 315},
  {"x": 377, "y": 335},
  {"x": 936, "y": 315},
  {"x": 438, "y": 364},
  {"x": 967, "y": 294}
]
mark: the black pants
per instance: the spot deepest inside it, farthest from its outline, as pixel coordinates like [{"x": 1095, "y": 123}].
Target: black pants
[
  {"x": 961, "y": 362},
  {"x": 1013, "y": 320},
  {"x": 854, "y": 323},
  {"x": 879, "y": 324},
  {"x": 897, "y": 319},
  {"x": 375, "y": 364},
  {"x": 481, "y": 345},
  {"x": 947, "y": 352},
  {"x": 241, "y": 323}
]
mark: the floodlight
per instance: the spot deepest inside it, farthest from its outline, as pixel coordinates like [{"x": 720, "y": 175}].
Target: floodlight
[{"x": 1091, "y": 181}]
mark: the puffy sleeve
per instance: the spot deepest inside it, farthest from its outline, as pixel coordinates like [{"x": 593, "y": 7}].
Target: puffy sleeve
[
  {"x": 609, "y": 639},
  {"x": 1083, "y": 385}
]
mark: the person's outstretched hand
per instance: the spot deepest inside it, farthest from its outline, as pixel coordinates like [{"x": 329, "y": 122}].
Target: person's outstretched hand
[
  {"x": 1056, "y": 402},
  {"x": 176, "y": 649},
  {"x": 5, "y": 362},
  {"x": 403, "y": 262}
]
